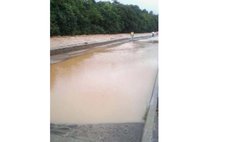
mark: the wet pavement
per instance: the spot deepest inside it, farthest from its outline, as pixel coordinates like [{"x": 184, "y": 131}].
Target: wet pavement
[{"x": 123, "y": 132}]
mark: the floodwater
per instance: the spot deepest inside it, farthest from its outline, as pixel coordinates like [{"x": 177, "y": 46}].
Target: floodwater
[{"x": 104, "y": 85}]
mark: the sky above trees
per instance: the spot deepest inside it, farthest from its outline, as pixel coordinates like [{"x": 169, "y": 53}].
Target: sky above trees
[{"x": 150, "y": 5}]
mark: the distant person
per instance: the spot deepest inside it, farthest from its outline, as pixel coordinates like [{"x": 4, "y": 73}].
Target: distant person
[
  {"x": 132, "y": 35},
  {"x": 153, "y": 34}
]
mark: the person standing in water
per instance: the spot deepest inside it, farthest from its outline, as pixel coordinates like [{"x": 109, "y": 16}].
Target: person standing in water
[{"x": 132, "y": 35}]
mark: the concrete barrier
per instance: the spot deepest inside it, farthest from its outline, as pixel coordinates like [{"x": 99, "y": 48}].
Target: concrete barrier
[
  {"x": 70, "y": 48},
  {"x": 150, "y": 133}
]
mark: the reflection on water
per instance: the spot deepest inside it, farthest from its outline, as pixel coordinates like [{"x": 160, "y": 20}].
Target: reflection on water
[{"x": 107, "y": 85}]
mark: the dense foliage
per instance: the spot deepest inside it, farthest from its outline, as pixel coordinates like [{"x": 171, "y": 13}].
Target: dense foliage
[{"x": 74, "y": 17}]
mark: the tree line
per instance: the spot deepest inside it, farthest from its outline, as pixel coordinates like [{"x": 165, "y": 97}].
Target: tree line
[{"x": 76, "y": 17}]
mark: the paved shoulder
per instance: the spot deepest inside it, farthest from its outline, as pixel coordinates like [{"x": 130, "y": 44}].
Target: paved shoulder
[
  {"x": 120, "y": 132},
  {"x": 57, "y": 138}
]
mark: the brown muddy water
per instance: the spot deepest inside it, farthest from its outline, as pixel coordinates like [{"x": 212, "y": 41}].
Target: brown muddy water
[{"x": 104, "y": 85}]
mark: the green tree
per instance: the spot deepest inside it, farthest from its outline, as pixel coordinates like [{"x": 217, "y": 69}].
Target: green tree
[{"x": 74, "y": 17}]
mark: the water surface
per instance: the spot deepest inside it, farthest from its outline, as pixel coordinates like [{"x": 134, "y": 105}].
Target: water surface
[{"x": 104, "y": 85}]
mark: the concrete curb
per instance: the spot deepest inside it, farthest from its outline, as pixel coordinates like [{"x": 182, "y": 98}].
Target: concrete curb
[
  {"x": 150, "y": 133},
  {"x": 74, "y": 47}
]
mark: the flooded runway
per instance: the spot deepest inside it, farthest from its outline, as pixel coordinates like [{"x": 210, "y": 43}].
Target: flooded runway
[{"x": 104, "y": 85}]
